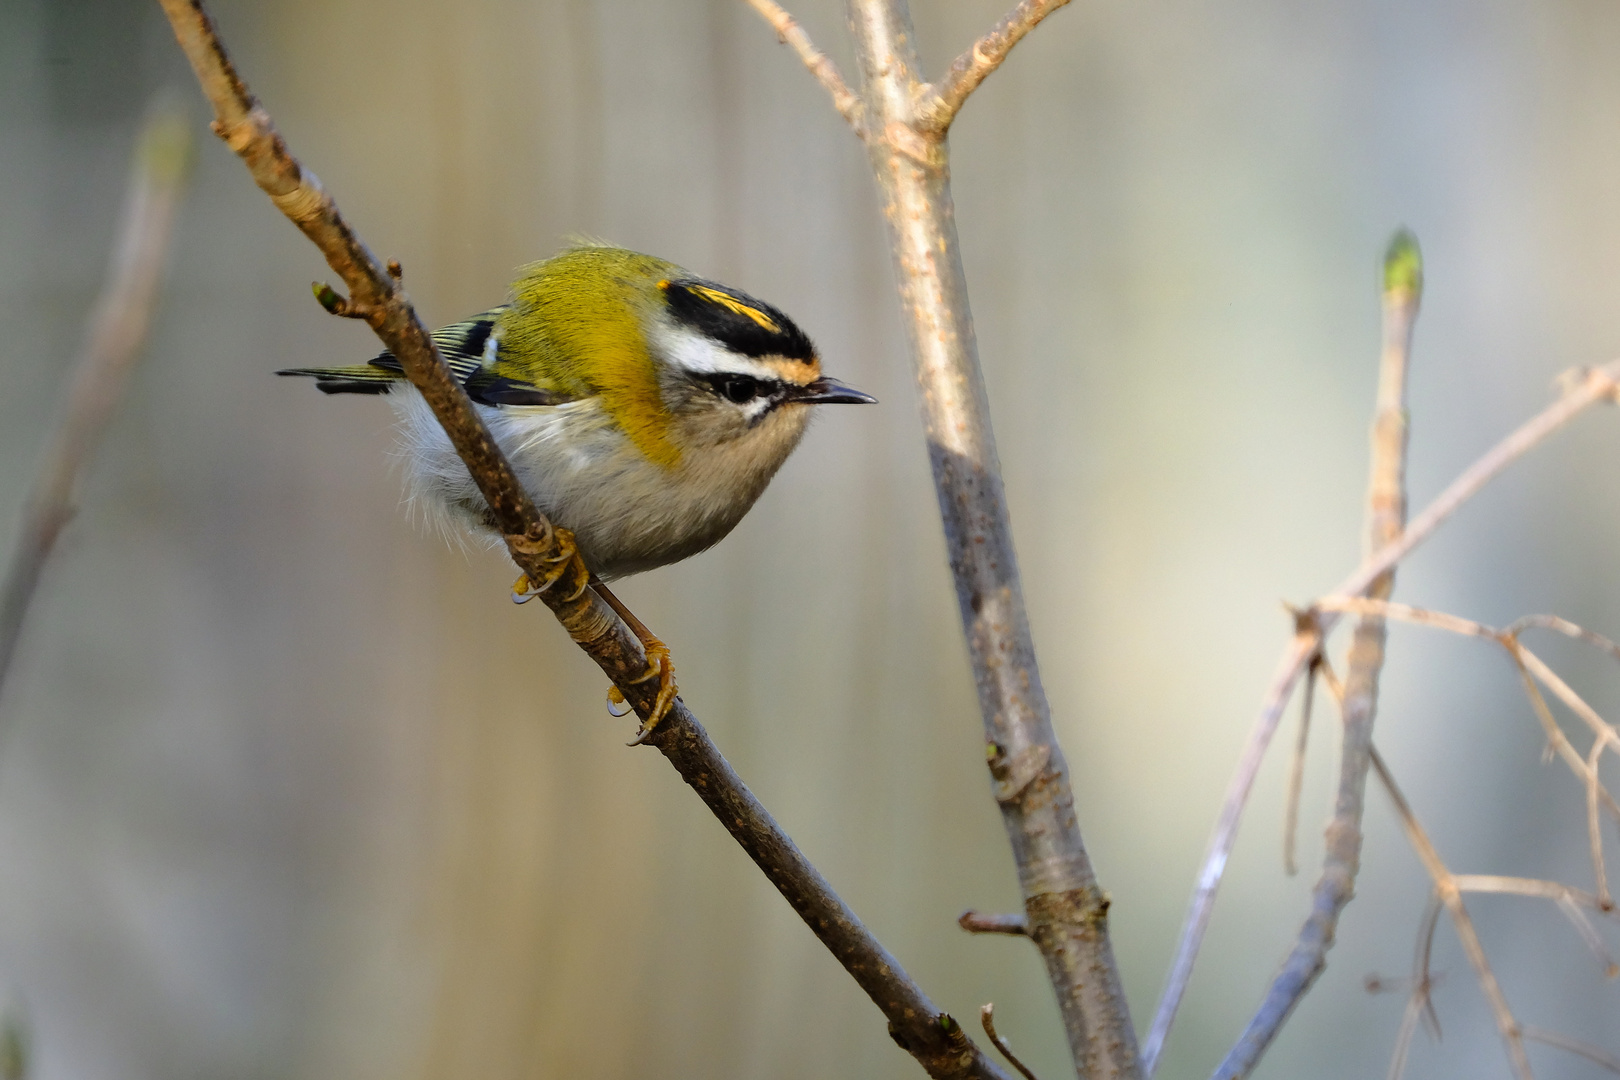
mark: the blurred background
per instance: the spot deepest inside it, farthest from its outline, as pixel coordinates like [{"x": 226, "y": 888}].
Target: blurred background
[{"x": 289, "y": 788}]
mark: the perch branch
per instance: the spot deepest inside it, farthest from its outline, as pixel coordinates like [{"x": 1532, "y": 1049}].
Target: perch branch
[
  {"x": 1066, "y": 908},
  {"x": 791, "y": 34},
  {"x": 940, "y": 102},
  {"x": 1585, "y": 389},
  {"x": 932, "y": 1037},
  {"x": 1386, "y": 516},
  {"x": 117, "y": 330}
]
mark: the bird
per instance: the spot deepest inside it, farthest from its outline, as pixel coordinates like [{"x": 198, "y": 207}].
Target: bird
[{"x": 643, "y": 408}]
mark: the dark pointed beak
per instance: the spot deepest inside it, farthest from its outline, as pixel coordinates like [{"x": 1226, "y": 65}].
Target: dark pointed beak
[{"x": 825, "y": 391}]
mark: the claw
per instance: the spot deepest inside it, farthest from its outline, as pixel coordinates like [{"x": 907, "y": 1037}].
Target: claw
[
  {"x": 618, "y": 705},
  {"x": 523, "y": 590},
  {"x": 662, "y": 668}
]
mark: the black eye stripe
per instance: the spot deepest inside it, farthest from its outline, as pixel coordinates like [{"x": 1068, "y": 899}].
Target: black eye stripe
[{"x": 741, "y": 389}]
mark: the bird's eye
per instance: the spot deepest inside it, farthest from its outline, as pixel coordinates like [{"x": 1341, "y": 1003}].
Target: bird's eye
[{"x": 739, "y": 389}]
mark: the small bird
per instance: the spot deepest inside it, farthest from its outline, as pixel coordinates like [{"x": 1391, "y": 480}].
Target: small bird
[{"x": 643, "y": 408}]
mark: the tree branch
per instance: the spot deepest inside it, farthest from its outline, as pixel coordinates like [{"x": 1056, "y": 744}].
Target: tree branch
[
  {"x": 117, "y": 329},
  {"x": 932, "y": 1037},
  {"x": 1585, "y": 389},
  {"x": 1386, "y": 515},
  {"x": 941, "y": 101},
  {"x": 1066, "y": 908},
  {"x": 791, "y": 34}
]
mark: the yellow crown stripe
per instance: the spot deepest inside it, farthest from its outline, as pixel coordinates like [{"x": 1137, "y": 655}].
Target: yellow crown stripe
[{"x": 732, "y": 304}]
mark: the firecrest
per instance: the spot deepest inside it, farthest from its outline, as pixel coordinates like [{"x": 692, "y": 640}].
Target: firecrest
[{"x": 643, "y": 408}]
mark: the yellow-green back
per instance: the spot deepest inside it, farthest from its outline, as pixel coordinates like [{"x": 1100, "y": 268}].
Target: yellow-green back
[{"x": 576, "y": 325}]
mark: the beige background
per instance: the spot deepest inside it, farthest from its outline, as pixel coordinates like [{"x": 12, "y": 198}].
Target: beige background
[{"x": 289, "y": 789}]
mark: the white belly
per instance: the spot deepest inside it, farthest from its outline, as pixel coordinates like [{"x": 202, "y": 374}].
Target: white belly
[{"x": 627, "y": 514}]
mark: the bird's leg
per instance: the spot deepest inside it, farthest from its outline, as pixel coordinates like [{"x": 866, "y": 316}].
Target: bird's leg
[{"x": 659, "y": 665}]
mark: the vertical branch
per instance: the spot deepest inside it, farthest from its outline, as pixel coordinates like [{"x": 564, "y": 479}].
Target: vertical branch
[
  {"x": 1066, "y": 909},
  {"x": 1386, "y": 517},
  {"x": 117, "y": 330}
]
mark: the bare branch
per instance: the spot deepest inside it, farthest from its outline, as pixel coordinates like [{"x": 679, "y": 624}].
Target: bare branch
[
  {"x": 941, "y": 102},
  {"x": 1565, "y": 627},
  {"x": 1446, "y": 889},
  {"x": 978, "y": 923},
  {"x": 937, "y": 1042},
  {"x": 1386, "y": 515},
  {"x": 791, "y": 34},
  {"x": 1588, "y": 388},
  {"x": 1066, "y": 907},
  {"x": 1595, "y": 1054},
  {"x": 987, "y": 1016},
  {"x": 1296, "y": 771},
  {"x": 117, "y": 329}
]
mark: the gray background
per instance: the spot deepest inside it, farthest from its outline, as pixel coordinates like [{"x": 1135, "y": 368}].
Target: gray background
[{"x": 289, "y": 789}]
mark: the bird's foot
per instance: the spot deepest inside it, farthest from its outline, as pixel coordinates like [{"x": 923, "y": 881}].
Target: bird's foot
[
  {"x": 558, "y": 566},
  {"x": 659, "y": 666}
]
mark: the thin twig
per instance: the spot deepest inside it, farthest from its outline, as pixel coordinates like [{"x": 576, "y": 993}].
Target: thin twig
[
  {"x": 1558, "y": 740},
  {"x": 987, "y": 1016},
  {"x": 117, "y": 329},
  {"x": 937, "y": 1042},
  {"x": 1066, "y": 907},
  {"x": 791, "y": 34},
  {"x": 1565, "y": 627},
  {"x": 1591, "y": 387},
  {"x": 1420, "y": 1000},
  {"x": 1569, "y": 901},
  {"x": 942, "y": 101},
  {"x": 975, "y": 922},
  {"x": 1531, "y": 668},
  {"x": 1386, "y": 515},
  {"x": 1595, "y": 1054},
  {"x": 1446, "y": 889},
  {"x": 1296, "y": 771}
]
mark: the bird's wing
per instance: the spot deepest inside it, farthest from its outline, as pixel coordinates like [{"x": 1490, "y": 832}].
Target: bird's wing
[{"x": 465, "y": 347}]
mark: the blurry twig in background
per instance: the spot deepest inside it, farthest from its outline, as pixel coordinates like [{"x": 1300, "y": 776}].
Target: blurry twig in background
[
  {"x": 903, "y": 121},
  {"x": 937, "y": 1042},
  {"x": 1586, "y": 388},
  {"x": 1449, "y": 887},
  {"x": 1386, "y": 516},
  {"x": 1296, "y": 769},
  {"x": 117, "y": 331},
  {"x": 791, "y": 34}
]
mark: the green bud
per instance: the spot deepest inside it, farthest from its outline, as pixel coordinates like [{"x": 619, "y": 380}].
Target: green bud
[
  {"x": 328, "y": 297},
  {"x": 1403, "y": 265},
  {"x": 947, "y": 1023},
  {"x": 165, "y": 145}
]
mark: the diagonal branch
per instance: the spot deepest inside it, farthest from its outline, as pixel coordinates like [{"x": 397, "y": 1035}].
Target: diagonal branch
[
  {"x": 118, "y": 326},
  {"x": 929, "y": 1035},
  {"x": 791, "y": 34},
  {"x": 943, "y": 100},
  {"x": 1386, "y": 515},
  {"x": 1588, "y": 388}
]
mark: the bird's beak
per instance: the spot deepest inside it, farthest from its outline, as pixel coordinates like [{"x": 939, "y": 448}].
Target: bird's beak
[{"x": 825, "y": 391}]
